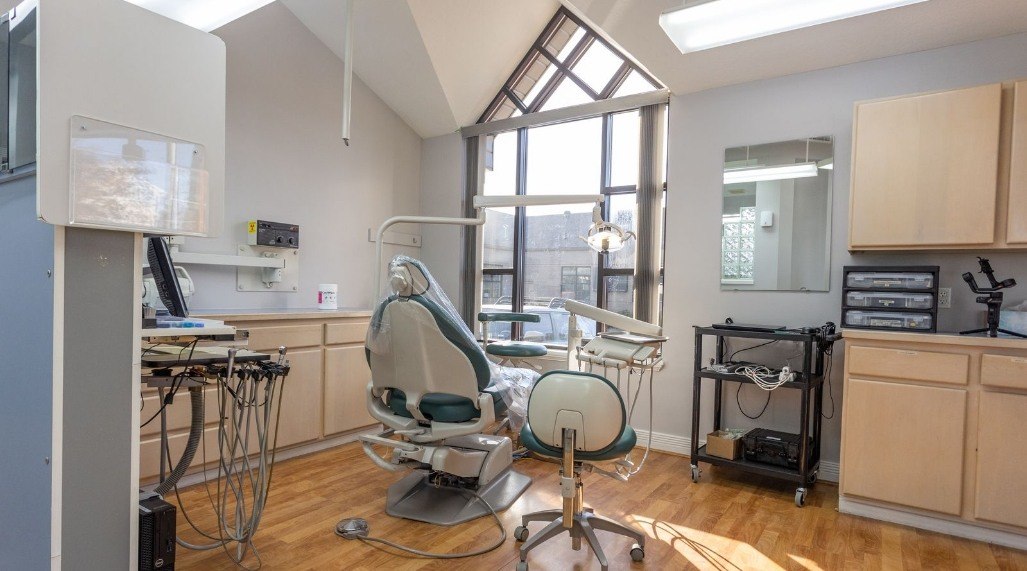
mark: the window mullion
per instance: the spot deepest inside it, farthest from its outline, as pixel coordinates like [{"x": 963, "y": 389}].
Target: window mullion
[{"x": 520, "y": 226}]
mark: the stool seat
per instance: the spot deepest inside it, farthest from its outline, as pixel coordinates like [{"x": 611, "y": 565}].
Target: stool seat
[
  {"x": 618, "y": 449},
  {"x": 519, "y": 349}
]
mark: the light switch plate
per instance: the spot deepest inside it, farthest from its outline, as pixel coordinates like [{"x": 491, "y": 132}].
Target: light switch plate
[{"x": 944, "y": 298}]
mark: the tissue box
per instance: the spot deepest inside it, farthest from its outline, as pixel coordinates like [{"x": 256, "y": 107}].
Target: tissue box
[
  {"x": 1013, "y": 320},
  {"x": 725, "y": 444}
]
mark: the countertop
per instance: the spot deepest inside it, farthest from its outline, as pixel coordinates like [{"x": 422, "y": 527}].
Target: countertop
[
  {"x": 937, "y": 338},
  {"x": 268, "y": 314}
]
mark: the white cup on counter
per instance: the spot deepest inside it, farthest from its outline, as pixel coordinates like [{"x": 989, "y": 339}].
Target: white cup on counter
[{"x": 328, "y": 296}]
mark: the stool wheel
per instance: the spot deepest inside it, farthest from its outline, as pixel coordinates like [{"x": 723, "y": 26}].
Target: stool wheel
[
  {"x": 637, "y": 553},
  {"x": 521, "y": 533},
  {"x": 522, "y": 566}
]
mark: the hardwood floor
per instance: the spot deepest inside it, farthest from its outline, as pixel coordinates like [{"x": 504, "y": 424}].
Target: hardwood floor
[{"x": 727, "y": 522}]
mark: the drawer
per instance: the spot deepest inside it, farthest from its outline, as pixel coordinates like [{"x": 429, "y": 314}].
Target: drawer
[
  {"x": 914, "y": 365},
  {"x": 179, "y": 412},
  {"x": 149, "y": 452},
  {"x": 268, "y": 338},
  {"x": 1004, "y": 371},
  {"x": 339, "y": 333}
]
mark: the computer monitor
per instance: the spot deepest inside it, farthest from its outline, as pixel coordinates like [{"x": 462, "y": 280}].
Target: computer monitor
[{"x": 164, "y": 276}]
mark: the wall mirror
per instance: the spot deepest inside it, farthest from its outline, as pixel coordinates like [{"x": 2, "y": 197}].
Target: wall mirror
[{"x": 776, "y": 216}]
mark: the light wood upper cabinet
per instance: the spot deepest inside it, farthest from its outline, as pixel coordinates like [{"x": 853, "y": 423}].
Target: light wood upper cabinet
[
  {"x": 1016, "y": 224},
  {"x": 1001, "y": 494},
  {"x": 925, "y": 170},
  {"x": 902, "y": 444}
]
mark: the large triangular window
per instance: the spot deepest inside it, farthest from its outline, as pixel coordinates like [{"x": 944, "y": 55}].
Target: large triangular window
[{"x": 569, "y": 64}]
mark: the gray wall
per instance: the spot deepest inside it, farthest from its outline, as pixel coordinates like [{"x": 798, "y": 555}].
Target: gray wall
[
  {"x": 98, "y": 388},
  {"x": 442, "y": 195},
  {"x": 26, "y": 344},
  {"x": 818, "y": 103},
  {"x": 287, "y": 163}
]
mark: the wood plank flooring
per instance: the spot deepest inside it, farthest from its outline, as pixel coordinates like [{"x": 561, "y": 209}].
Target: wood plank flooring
[{"x": 727, "y": 522}]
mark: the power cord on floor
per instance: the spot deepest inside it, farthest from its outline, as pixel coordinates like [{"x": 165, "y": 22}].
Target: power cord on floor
[{"x": 358, "y": 528}]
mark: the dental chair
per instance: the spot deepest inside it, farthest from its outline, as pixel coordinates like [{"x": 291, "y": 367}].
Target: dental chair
[
  {"x": 580, "y": 419},
  {"x": 431, "y": 386}
]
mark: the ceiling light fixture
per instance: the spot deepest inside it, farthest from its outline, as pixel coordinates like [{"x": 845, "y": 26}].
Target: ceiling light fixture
[
  {"x": 205, "y": 15},
  {"x": 723, "y": 22},
  {"x": 778, "y": 172}
]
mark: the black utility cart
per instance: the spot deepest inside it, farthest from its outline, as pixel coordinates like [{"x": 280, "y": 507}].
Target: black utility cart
[{"x": 810, "y": 381}]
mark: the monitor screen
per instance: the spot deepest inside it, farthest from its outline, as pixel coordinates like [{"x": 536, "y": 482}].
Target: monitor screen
[{"x": 164, "y": 276}]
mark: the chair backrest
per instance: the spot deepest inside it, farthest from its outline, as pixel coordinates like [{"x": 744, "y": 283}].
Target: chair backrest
[
  {"x": 587, "y": 403},
  {"x": 419, "y": 348}
]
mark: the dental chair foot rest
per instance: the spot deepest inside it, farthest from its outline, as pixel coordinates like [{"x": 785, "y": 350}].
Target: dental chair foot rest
[{"x": 415, "y": 498}]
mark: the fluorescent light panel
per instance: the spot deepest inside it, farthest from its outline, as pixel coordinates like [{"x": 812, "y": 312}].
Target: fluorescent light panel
[
  {"x": 779, "y": 172},
  {"x": 205, "y": 15},
  {"x": 723, "y": 22}
]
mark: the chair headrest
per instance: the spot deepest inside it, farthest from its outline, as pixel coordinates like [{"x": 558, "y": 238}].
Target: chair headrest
[
  {"x": 587, "y": 403},
  {"x": 407, "y": 278}
]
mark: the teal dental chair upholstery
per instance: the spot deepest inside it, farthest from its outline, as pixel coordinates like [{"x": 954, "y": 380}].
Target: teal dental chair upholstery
[
  {"x": 580, "y": 419},
  {"x": 430, "y": 386}
]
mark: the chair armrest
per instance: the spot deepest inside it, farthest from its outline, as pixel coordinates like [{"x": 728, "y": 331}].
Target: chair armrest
[{"x": 519, "y": 317}]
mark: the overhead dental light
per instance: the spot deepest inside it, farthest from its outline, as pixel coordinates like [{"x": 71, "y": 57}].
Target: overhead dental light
[
  {"x": 777, "y": 172},
  {"x": 723, "y": 22},
  {"x": 605, "y": 237},
  {"x": 205, "y": 15}
]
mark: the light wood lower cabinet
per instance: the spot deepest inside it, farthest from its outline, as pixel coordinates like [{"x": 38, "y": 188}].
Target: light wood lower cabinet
[
  {"x": 1001, "y": 492},
  {"x": 904, "y": 444},
  {"x": 932, "y": 431},
  {"x": 323, "y": 395},
  {"x": 149, "y": 451},
  {"x": 346, "y": 378},
  {"x": 300, "y": 419}
]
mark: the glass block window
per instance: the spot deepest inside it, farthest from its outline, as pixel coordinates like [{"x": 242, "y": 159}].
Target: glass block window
[{"x": 738, "y": 246}]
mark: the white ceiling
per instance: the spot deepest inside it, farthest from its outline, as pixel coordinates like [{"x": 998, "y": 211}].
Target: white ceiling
[
  {"x": 438, "y": 64},
  {"x": 633, "y": 24}
]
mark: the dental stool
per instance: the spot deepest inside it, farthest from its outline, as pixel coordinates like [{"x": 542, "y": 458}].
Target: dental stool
[
  {"x": 509, "y": 351},
  {"x": 579, "y": 418}
]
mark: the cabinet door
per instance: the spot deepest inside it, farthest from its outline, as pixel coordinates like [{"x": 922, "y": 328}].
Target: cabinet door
[
  {"x": 904, "y": 444},
  {"x": 1016, "y": 225},
  {"x": 925, "y": 170},
  {"x": 346, "y": 378},
  {"x": 300, "y": 419},
  {"x": 1001, "y": 494}
]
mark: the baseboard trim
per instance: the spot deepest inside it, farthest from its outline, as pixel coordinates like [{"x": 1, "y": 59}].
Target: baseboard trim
[
  {"x": 948, "y": 527},
  {"x": 682, "y": 445},
  {"x": 210, "y": 474}
]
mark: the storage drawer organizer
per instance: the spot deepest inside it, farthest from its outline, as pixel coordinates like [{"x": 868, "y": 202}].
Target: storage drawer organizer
[{"x": 890, "y": 298}]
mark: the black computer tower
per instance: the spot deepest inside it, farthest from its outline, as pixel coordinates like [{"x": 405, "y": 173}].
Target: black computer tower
[{"x": 156, "y": 535}]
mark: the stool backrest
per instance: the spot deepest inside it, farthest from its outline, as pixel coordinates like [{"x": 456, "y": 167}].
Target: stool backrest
[{"x": 587, "y": 403}]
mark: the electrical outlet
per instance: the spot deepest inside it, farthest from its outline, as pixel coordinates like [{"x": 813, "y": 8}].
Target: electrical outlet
[{"x": 944, "y": 297}]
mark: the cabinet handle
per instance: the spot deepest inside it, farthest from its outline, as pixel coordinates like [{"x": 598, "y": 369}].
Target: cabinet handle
[{"x": 909, "y": 352}]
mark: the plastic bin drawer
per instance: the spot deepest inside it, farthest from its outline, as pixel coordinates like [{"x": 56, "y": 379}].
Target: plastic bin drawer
[
  {"x": 889, "y": 300},
  {"x": 890, "y": 280},
  {"x": 889, "y": 320}
]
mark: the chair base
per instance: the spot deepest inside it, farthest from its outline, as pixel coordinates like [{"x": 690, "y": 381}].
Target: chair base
[
  {"x": 414, "y": 497},
  {"x": 584, "y": 525}
]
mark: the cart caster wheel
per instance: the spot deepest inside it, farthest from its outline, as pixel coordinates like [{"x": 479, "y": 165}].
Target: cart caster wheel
[
  {"x": 696, "y": 473},
  {"x": 812, "y": 479},
  {"x": 637, "y": 553},
  {"x": 522, "y": 566},
  {"x": 800, "y": 497},
  {"x": 521, "y": 533}
]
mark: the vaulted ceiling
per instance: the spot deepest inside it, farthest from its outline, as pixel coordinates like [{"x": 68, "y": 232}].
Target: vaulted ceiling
[{"x": 438, "y": 63}]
